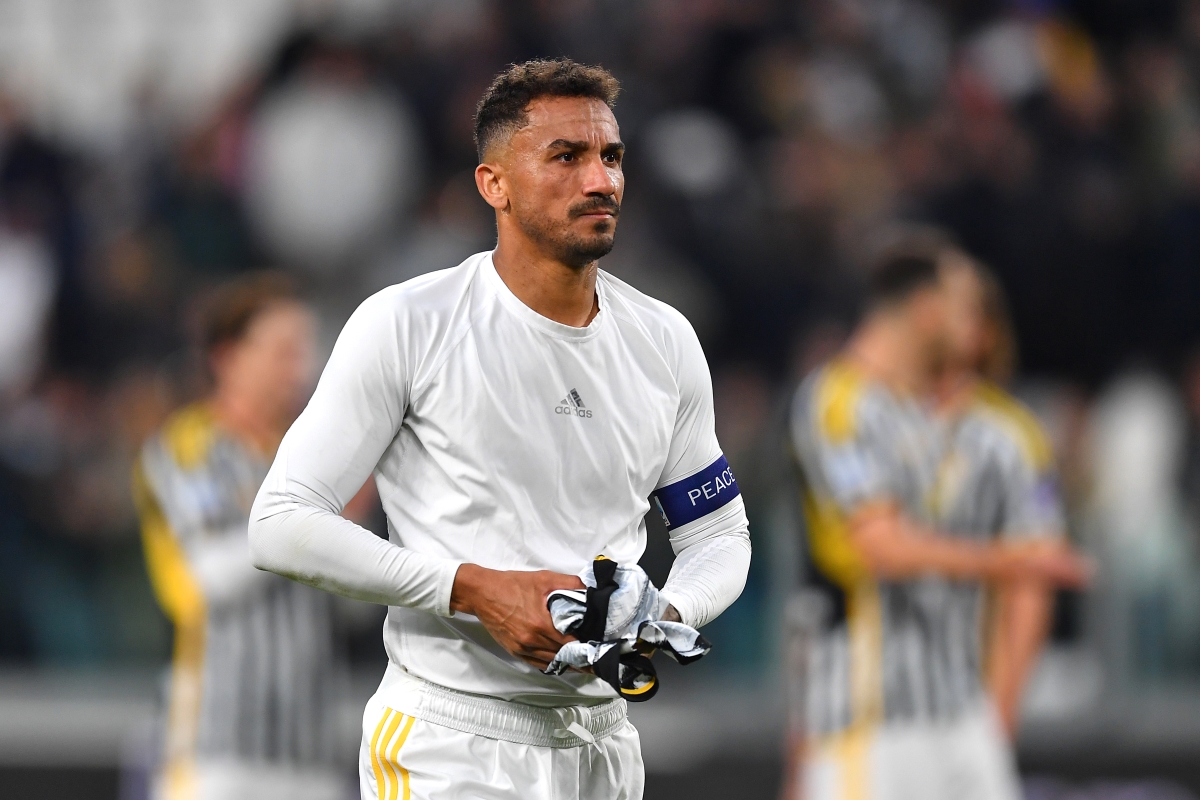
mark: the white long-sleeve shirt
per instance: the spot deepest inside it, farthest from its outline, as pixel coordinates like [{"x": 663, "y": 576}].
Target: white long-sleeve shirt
[{"x": 502, "y": 438}]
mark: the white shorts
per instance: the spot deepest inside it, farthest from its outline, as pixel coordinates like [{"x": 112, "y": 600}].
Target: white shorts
[
  {"x": 968, "y": 759},
  {"x": 405, "y": 758}
]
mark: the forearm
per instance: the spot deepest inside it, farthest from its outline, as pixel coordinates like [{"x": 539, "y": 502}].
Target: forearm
[
  {"x": 1022, "y": 623},
  {"x": 512, "y": 607},
  {"x": 910, "y": 554},
  {"x": 328, "y": 454},
  {"x": 894, "y": 547},
  {"x": 324, "y": 550},
  {"x": 710, "y": 571}
]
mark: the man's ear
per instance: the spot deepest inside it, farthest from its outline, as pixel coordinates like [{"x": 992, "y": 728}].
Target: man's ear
[{"x": 489, "y": 179}]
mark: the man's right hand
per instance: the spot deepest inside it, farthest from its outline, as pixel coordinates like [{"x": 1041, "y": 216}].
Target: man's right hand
[{"x": 512, "y": 606}]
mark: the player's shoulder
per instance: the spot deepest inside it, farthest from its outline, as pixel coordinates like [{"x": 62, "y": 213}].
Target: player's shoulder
[
  {"x": 417, "y": 316},
  {"x": 837, "y": 399},
  {"x": 660, "y": 321},
  {"x": 425, "y": 295},
  {"x": 187, "y": 436},
  {"x": 1012, "y": 421}
]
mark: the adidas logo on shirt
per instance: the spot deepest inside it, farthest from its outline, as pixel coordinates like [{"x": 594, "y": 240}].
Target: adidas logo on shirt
[{"x": 572, "y": 406}]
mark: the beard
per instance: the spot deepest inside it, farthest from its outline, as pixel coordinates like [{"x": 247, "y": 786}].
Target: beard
[{"x": 577, "y": 250}]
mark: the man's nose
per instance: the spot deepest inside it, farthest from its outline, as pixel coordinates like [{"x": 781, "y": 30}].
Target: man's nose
[{"x": 598, "y": 179}]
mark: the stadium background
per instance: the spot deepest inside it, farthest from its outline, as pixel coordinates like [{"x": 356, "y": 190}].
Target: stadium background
[{"x": 152, "y": 148}]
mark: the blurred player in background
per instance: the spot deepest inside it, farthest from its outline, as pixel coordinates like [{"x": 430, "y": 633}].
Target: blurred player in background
[
  {"x": 253, "y": 665},
  {"x": 997, "y": 475},
  {"x": 896, "y": 704}
]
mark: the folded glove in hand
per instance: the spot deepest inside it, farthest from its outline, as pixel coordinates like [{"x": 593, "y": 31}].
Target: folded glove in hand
[{"x": 617, "y": 621}]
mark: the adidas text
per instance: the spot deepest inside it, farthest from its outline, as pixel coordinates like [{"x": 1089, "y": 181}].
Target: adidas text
[{"x": 572, "y": 406}]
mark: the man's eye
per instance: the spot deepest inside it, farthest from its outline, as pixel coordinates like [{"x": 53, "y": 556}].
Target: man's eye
[
  {"x": 565, "y": 157},
  {"x": 612, "y": 158}
]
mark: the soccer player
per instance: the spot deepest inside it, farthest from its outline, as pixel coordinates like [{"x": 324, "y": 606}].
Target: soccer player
[
  {"x": 998, "y": 479},
  {"x": 247, "y": 714},
  {"x": 896, "y": 702},
  {"x": 517, "y": 411}
]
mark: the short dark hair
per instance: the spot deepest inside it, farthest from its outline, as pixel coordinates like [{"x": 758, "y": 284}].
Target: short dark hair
[
  {"x": 896, "y": 277},
  {"x": 230, "y": 309},
  {"x": 503, "y": 106},
  {"x": 909, "y": 262}
]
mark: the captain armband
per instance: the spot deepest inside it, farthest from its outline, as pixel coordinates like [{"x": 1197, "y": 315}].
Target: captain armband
[{"x": 696, "y": 496}]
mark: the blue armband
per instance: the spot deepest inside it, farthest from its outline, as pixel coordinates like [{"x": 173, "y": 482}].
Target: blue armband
[{"x": 695, "y": 496}]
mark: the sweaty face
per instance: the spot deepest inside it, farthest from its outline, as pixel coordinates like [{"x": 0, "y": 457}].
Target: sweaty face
[{"x": 564, "y": 177}]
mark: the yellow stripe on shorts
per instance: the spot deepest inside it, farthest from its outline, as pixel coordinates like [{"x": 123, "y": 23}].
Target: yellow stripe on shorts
[
  {"x": 375, "y": 753},
  {"x": 393, "y": 759},
  {"x": 391, "y": 779}
]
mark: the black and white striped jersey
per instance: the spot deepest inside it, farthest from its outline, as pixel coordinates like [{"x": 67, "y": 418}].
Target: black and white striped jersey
[
  {"x": 906, "y": 650},
  {"x": 253, "y": 669}
]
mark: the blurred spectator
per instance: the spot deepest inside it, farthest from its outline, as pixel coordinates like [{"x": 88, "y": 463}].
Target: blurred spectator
[
  {"x": 27, "y": 284},
  {"x": 1151, "y": 603},
  {"x": 332, "y": 161},
  {"x": 1190, "y": 475}
]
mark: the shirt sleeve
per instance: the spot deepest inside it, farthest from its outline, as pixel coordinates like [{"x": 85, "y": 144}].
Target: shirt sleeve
[
  {"x": 837, "y": 436},
  {"x": 326, "y": 456},
  {"x": 1032, "y": 505},
  {"x": 214, "y": 563},
  {"x": 171, "y": 577},
  {"x": 700, "y": 502}
]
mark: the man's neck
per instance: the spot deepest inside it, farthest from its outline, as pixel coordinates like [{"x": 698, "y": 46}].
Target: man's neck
[
  {"x": 551, "y": 288},
  {"x": 257, "y": 429},
  {"x": 887, "y": 351},
  {"x": 954, "y": 388}
]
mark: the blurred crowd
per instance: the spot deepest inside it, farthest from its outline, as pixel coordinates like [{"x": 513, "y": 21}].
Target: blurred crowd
[{"x": 151, "y": 150}]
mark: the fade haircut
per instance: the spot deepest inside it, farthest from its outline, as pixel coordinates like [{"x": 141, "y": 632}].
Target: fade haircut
[{"x": 502, "y": 110}]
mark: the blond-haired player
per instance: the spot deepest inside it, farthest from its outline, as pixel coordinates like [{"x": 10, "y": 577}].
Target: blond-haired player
[
  {"x": 253, "y": 666},
  {"x": 998, "y": 475}
]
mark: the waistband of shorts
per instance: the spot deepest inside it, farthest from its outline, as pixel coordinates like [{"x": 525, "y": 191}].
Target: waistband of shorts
[{"x": 492, "y": 718}]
